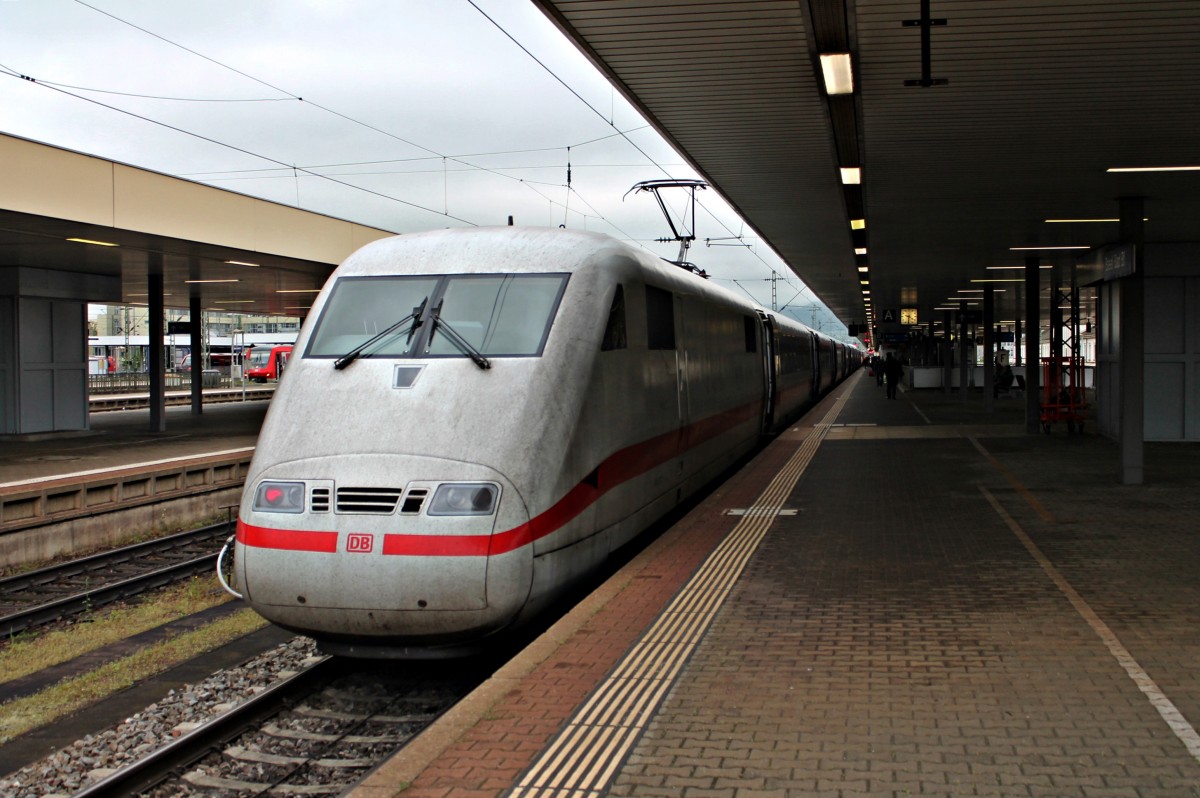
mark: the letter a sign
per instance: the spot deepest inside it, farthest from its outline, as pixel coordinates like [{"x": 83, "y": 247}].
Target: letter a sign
[{"x": 889, "y": 316}]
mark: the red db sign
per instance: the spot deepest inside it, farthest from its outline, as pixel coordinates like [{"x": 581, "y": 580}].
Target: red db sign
[{"x": 359, "y": 542}]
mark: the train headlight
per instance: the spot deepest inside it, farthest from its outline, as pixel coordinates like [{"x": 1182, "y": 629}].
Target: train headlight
[
  {"x": 279, "y": 497},
  {"x": 464, "y": 498}
]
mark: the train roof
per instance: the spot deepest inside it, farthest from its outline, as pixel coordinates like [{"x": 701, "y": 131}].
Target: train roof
[{"x": 516, "y": 250}]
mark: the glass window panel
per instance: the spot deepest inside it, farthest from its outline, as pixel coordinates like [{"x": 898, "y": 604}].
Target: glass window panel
[
  {"x": 360, "y": 308},
  {"x": 500, "y": 315}
]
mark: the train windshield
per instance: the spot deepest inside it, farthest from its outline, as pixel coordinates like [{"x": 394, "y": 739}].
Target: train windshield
[
  {"x": 497, "y": 314},
  {"x": 361, "y": 308}
]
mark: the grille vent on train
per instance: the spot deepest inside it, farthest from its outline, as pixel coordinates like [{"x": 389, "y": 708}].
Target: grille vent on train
[
  {"x": 378, "y": 501},
  {"x": 319, "y": 503},
  {"x": 413, "y": 501}
]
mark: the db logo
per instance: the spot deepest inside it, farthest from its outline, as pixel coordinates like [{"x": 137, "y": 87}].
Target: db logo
[{"x": 360, "y": 542}]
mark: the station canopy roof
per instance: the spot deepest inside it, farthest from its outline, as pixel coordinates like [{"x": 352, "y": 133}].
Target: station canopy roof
[
  {"x": 93, "y": 229},
  {"x": 1022, "y": 110}
]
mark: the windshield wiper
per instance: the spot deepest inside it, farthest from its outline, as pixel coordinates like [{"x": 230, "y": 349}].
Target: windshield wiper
[
  {"x": 414, "y": 317},
  {"x": 456, "y": 339}
]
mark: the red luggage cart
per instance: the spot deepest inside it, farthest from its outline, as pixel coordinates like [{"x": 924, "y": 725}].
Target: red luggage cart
[{"x": 1063, "y": 397}]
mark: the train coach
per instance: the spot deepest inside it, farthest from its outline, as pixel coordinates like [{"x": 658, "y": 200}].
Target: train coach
[{"x": 473, "y": 420}]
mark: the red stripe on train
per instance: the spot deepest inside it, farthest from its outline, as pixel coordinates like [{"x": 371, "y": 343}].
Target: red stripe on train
[
  {"x": 290, "y": 539},
  {"x": 617, "y": 469}
]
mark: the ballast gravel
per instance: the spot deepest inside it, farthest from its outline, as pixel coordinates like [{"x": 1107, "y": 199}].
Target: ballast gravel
[{"x": 96, "y": 756}]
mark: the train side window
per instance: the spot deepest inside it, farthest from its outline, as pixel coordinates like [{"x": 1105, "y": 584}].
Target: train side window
[
  {"x": 614, "y": 330},
  {"x": 660, "y": 318},
  {"x": 751, "y": 333}
]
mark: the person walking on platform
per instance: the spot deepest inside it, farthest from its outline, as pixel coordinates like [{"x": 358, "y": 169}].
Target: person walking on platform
[
  {"x": 877, "y": 368},
  {"x": 893, "y": 370}
]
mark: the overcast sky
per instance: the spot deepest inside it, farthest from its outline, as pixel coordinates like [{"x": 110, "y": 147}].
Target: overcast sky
[{"x": 406, "y": 115}]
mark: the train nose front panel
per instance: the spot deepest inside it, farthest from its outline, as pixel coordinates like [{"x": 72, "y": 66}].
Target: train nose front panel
[{"x": 379, "y": 532}]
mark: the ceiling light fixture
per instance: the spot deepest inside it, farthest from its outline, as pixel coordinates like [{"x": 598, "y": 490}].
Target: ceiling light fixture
[
  {"x": 851, "y": 175},
  {"x": 837, "y": 72},
  {"x": 860, "y": 250},
  {"x": 1087, "y": 221},
  {"x": 241, "y": 263},
  {"x": 858, "y": 224},
  {"x": 1151, "y": 168},
  {"x": 91, "y": 241},
  {"x": 1044, "y": 249},
  {"x": 863, "y": 269}
]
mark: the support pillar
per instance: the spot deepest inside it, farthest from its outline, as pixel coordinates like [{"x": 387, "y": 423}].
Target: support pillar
[
  {"x": 158, "y": 404},
  {"x": 196, "y": 315},
  {"x": 1133, "y": 346},
  {"x": 947, "y": 349},
  {"x": 989, "y": 347},
  {"x": 963, "y": 365},
  {"x": 1033, "y": 288}
]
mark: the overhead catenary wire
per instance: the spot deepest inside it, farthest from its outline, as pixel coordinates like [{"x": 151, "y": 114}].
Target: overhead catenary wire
[
  {"x": 295, "y": 171},
  {"x": 7, "y": 70}
]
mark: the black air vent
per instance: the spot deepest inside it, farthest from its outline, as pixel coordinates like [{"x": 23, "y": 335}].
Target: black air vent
[
  {"x": 378, "y": 501},
  {"x": 320, "y": 500},
  {"x": 413, "y": 501}
]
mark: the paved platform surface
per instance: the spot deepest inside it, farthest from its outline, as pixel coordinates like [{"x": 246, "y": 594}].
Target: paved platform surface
[
  {"x": 122, "y": 438},
  {"x": 911, "y": 597}
]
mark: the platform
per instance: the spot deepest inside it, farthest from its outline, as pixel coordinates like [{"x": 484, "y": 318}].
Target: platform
[
  {"x": 119, "y": 439},
  {"x": 62, "y": 493},
  {"x": 909, "y": 597}
]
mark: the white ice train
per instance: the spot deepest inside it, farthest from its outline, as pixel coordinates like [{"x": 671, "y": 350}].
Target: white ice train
[{"x": 475, "y": 419}]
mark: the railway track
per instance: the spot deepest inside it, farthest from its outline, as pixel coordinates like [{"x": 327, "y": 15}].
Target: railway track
[
  {"x": 316, "y": 732},
  {"x": 49, "y": 594}
]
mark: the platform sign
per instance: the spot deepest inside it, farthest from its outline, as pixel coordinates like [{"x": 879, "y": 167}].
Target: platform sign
[
  {"x": 889, "y": 316},
  {"x": 1111, "y": 262}
]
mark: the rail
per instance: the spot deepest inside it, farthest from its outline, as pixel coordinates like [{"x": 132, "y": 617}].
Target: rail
[
  {"x": 147, "y": 772},
  {"x": 109, "y": 573},
  {"x": 134, "y": 401}
]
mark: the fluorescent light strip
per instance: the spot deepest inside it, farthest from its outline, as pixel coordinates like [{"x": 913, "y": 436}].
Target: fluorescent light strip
[
  {"x": 91, "y": 241},
  {"x": 1046, "y": 266},
  {"x": 1002, "y": 280},
  {"x": 241, "y": 263},
  {"x": 858, "y": 224},
  {"x": 298, "y": 291},
  {"x": 851, "y": 175},
  {"x": 194, "y": 282},
  {"x": 1087, "y": 221},
  {"x": 1153, "y": 168},
  {"x": 837, "y": 72},
  {"x": 1044, "y": 249},
  {"x": 860, "y": 251}
]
